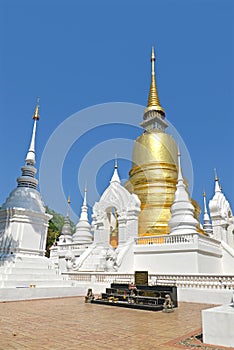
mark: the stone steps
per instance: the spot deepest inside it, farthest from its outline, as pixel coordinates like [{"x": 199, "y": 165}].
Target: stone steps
[
  {"x": 92, "y": 260},
  {"x": 25, "y": 271}
]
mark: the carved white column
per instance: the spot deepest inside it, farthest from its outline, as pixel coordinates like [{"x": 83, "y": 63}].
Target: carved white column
[{"x": 122, "y": 229}]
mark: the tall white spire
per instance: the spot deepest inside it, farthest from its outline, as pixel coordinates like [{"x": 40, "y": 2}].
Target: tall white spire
[
  {"x": 30, "y": 158},
  {"x": 115, "y": 176},
  {"x": 84, "y": 208},
  {"x": 217, "y": 186},
  {"x": 83, "y": 228},
  {"x": 182, "y": 211},
  {"x": 27, "y": 179},
  {"x": 207, "y": 227},
  {"x": 179, "y": 177}
]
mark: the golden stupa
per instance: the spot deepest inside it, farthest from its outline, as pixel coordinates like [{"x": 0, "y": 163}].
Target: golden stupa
[{"x": 153, "y": 176}]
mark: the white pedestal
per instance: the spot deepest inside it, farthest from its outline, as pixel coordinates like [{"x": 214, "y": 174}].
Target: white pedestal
[{"x": 218, "y": 326}]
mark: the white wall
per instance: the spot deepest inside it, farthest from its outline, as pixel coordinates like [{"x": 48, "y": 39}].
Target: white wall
[{"x": 183, "y": 259}]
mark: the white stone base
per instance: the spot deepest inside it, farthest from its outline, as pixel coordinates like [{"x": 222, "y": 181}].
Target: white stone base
[
  {"x": 206, "y": 296},
  {"x": 218, "y": 326},
  {"x": 15, "y": 294}
]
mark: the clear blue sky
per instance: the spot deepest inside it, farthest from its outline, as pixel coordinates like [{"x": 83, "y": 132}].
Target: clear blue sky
[{"x": 76, "y": 54}]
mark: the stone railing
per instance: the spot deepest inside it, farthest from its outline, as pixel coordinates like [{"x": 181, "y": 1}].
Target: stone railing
[
  {"x": 167, "y": 239},
  {"x": 100, "y": 277},
  {"x": 195, "y": 281},
  {"x": 72, "y": 246},
  {"x": 181, "y": 281},
  {"x": 188, "y": 238}
]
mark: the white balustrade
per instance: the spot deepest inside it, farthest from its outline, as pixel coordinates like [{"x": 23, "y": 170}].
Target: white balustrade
[
  {"x": 181, "y": 281},
  {"x": 178, "y": 239},
  {"x": 167, "y": 239}
]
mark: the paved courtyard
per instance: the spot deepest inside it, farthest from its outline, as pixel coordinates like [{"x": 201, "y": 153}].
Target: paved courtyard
[{"x": 69, "y": 323}]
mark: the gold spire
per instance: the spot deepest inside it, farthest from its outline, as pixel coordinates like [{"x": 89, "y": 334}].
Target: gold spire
[
  {"x": 204, "y": 193},
  {"x": 36, "y": 113},
  {"x": 153, "y": 99}
]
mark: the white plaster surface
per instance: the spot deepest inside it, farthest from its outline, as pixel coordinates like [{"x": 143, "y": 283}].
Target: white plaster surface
[
  {"x": 202, "y": 295},
  {"x": 13, "y": 294},
  {"x": 218, "y": 326}
]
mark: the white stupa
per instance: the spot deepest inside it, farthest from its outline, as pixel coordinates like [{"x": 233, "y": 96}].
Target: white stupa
[
  {"x": 23, "y": 220},
  {"x": 83, "y": 227},
  {"x": 25, "y": 272},
  {"x": 182, "y": 210},
  {"x": 66, "y": 233},
  {"x": 221, "y": 214}
]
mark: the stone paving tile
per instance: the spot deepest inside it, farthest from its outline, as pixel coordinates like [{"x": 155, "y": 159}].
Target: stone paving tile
[{"x": 70, "y": 324}]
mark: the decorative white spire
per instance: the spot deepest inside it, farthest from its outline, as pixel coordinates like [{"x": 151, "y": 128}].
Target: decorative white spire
[
  {"x": 30, "y": 158},
  {"x": 217, "y": 186},
  {"x": 83, "y": 228},
  {"x": 207, "y": 227},
  {"x": 180, "y": 177},
  {"x": 182, "y": 211},
  {"x": 27, "y": 179},
  {"x": 115, "y": 176},
  {"x": 84, "y": 208}
]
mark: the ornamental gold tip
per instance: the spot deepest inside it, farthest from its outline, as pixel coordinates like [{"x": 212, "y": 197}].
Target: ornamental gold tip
[
  {"x": 68, "y": 200},
  {"x": 153, "y": 99},
  {"x": 36, "y": 113},
  {"x": 204, "y": 193}
]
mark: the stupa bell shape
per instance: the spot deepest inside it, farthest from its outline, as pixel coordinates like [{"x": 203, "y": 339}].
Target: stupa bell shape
[
  {"x": 83, "y": 227},
  {"x": 182, "y": 210},
  {"x": 66, "y": 233},
  {"x": 153, "y": 175}
]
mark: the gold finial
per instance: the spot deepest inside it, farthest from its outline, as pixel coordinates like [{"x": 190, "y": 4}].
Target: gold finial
[
  {"x": 153, "y": 99},
  {"x": 36, "y": 113},
  {"x": 216, "y": 177},
  {"x": 204, "y": 193},
  {"x": 68, "y": 199}
]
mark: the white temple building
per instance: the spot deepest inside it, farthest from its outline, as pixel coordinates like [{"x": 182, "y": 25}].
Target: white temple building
[
  {"x": 149, "y": 224},
  {"x": 25, "y": 272}
]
